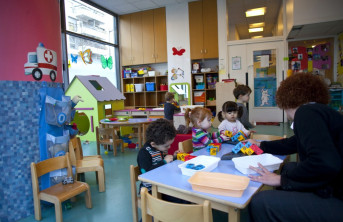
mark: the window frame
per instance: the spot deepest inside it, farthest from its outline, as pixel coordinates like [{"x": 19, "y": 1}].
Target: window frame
[{"x": 65, "y": 32}]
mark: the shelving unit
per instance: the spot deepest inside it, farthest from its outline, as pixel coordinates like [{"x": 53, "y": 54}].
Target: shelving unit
[
  {"x": 144, "y": 99},
  {"x": 209, "y": 90}
]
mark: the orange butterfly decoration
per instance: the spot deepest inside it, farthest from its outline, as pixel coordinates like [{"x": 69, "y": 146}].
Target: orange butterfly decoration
[{"x": 86, "y": 56}]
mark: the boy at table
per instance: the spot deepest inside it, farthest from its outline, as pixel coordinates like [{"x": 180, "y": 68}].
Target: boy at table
[{"x": 159, "y": 136}]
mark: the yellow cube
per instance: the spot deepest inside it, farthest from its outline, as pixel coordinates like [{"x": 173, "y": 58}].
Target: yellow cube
[
  {"x": 213, "y": 151},
  {"x": 228, "y": 133},
  {"x": 249, "y": 151},
  {"x": 243, "y": 149},
  {"x": 181, "y": 156},
  {"x": 240, "y": 138}
]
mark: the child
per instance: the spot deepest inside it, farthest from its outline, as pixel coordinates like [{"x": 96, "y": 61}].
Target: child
[
  {"x": 201, "y": 120},
  {"x": 160, "y": 135},
  {"x": 170, "y": 106},
  {"x": 228, "y": 118},
  {"x": 242, "y": 94}
]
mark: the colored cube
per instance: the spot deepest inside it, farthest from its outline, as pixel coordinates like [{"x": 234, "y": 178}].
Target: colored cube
[
  {"x": 213, "y": 151},
  {"x": 181, "y": 156},
  {"x": 189, "y": 157},
  {"x": 256, "y": 149},
  {"x": 228, "y": 133},
  {"x": 243, "y": 150},
  {"x": 249, "y": 151}
]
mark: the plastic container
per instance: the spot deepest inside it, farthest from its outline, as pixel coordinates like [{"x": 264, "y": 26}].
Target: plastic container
[
  {"x": 219, "y": 183},
  {"x": 209, "y": 162},
  {"x": 139, "y": 87},
  {"x": 164, "y": 87},
  {"x": 200, "y": 86},
  {"x": 150, "y": 86},
  {"x": 152, "y": 73},
  {"x": 267, "y": 160}
]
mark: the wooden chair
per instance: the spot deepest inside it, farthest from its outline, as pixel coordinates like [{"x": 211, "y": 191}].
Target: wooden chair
[
  {"x": 186, "y": 146},
  {"x": 169, "y": 212},
  {"x": 135, "y": 199},
  {"x": 108, "y": 136},
  {"x": 266, "y": 137},
  {"x": 79, "y": 152},
  {"x": 93, "y": 164},
  {"x": 58, "y": 193}
]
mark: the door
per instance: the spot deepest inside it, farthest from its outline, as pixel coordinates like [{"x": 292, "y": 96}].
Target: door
[{"x": 265, "y": 65}]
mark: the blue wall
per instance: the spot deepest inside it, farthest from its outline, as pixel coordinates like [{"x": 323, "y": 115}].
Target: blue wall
[{"x": 19, "y": 146}]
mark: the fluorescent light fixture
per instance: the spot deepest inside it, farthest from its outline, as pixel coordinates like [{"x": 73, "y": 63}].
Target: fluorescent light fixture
[
  {"x": 256, "y": 29},
  {"x": 257, "y": 36},
  {"x": 255, "y": 12},
  {"x": 256, "y": 25}
]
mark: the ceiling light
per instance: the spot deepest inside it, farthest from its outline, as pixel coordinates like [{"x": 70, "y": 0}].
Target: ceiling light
[
  {"x": 257, "y": 36},
  {"x": 256, "y": 29},
  {"x": 255, "y": 12},
  {"x": 256, "y": 25}
]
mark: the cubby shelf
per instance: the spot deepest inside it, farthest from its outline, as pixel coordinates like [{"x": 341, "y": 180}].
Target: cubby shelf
[
  {"x": 208, "y": 80},
  {"x": 144, "y": 99}
]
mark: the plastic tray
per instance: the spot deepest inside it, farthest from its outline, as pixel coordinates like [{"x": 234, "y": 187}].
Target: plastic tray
[
  {"x": 209, "y": 162},
  {"x": 219, "y": 183},
  {"x": 267, "y": 160}
]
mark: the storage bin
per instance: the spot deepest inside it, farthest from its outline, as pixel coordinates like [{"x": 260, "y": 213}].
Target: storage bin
[
  {"x": 200, "y": 86},
  {"x": 199, "y": 98},
  {"x": 150, "y": 86},
  {"x": 164, "y": 87},
  {"x": 209, "y": 162},
  {"x": 267, "y": 160},
  {"x": 219, "y": 183},
  {"x": 153, "y": 73},
  {"x": 139, "y": 87}
]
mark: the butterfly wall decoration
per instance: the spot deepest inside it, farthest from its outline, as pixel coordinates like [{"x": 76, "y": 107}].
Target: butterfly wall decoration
[
  {"x": 178, "y": 52},
  {"x": 86, "y": 56},
  {"x": 106, "y": 62},
  {"x": 74, "y": 58}
]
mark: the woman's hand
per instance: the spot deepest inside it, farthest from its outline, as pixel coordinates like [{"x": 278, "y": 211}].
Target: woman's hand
[{"x": 266, "y": 177}]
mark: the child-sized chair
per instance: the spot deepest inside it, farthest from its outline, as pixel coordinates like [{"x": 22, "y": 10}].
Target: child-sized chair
[
  {"x": 186, "y": 146},
  {"x": 135, "y": 199},
  {"x": 58, "y": 193},
  {"x": 108, "y": 136},
  {"x": 91, "y": 164},
  {"x": 169, "y": 212}
]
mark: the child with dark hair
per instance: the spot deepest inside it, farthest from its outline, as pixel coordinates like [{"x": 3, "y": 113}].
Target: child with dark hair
[
  {"x": 170, "y": 106},
  {"x": 201, "y": 119},
  {"x": 160, "y": 135},
  {"x": 242, "y": 94},
  {"x": 228, "y": 118}
]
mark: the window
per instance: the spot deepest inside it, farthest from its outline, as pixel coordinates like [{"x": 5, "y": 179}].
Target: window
[{"x": 90, "y": 46}]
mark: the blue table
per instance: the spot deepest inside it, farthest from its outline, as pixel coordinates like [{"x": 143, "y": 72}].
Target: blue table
[{"x": 168, "y": 179}]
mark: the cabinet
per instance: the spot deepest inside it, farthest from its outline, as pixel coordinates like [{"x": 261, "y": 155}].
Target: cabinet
[
  {"x": 204, "y": 89},
  {"x": 203, "y": 29},
  {"x": 154, "y": 36},
  {"x": 131, "y": 39},
  {"x": 144, "y": 99}
]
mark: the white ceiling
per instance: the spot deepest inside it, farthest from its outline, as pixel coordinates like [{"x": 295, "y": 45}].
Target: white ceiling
[{"x": 122, "y": 7}]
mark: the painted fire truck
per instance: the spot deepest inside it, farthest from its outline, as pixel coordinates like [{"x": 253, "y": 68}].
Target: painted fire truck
[{"x": 42, "y": 62}]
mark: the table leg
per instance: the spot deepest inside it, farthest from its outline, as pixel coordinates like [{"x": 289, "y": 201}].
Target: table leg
[
  {"x": 140, "y": 136},
  {"x": 234, "y": 214}
]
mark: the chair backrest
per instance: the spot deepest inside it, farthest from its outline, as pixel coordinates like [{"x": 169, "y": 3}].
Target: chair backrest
[
  {"x": 106, "y": 133},
  {"x": 186, "y": 146},
  {"x": 266, "y": 137},
  {"x": 169, "y": 212},
  {"x": 49, "y": 165},
  {"x": 134, "y": 173}
]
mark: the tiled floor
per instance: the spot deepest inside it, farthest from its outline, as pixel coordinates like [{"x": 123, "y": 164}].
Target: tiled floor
[{"x": 115, "y": 203}]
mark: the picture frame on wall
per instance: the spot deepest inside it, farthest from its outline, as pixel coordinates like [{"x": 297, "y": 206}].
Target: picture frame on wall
[{"x": 236, "y": 63}]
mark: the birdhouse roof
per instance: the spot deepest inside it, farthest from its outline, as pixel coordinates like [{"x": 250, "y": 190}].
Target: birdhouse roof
[{"x": 100, "y": 87}]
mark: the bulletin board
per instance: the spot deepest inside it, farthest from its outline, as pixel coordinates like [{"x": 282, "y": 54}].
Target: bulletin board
[{"x": 314, "y": 56}]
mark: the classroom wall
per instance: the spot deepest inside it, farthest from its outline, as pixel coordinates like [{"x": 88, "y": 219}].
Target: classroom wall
[
  {"x": 178, "y": 37},
  {"x": 23, "y": 24}
]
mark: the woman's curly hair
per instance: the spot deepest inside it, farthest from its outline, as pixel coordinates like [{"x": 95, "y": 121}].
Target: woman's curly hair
[
  {"x": 160, "y": 131},
  {"x": 300, "y": 89}
]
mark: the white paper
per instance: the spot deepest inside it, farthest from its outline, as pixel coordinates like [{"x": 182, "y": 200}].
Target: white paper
[{"x": 264, "y": 61}]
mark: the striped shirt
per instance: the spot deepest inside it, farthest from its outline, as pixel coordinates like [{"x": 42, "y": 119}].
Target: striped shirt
[
  {"x": 201, "y": 138},
  {"x": 148, "y": 159}
]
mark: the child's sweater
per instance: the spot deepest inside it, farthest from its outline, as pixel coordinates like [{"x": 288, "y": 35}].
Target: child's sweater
[
  {"x": 233, "y": 127},
  {"x": 201, "y": 138}
]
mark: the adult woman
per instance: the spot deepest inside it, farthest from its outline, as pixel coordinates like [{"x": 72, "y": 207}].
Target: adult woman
[{"x": 312, "y": 189}]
